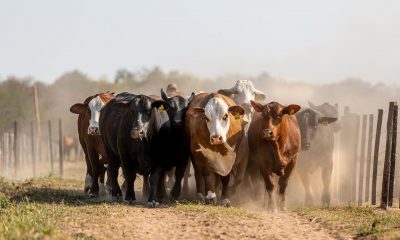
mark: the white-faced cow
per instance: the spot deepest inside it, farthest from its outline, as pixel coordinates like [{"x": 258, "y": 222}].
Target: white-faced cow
[
  {"x": 318, "y": 125},
  {"x": 214, "y": 129},
  {"x": 90, "y": 140}
]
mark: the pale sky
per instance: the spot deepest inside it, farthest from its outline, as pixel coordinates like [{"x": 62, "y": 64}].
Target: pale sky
[{"x": 314, "y": 41}]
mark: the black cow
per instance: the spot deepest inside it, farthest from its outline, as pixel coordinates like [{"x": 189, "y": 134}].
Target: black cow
[
  {"x": 136, "y": 133},
  {"x": 176, "y": 112},
  {"x": 317, "y": 145}
]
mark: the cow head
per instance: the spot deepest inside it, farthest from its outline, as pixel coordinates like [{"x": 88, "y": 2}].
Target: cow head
[
  {"x": 141, "y": 109},
  {"x": 216, "y": 115},
  {"x": 273, "y": 114},
  {"x": 309, "y": 120},
  {"x": 93, "y": 104},
  {"x": 327, "y": 110},
  {"x": 178, "y": 106},
  {"x": 242, "y": 93}
]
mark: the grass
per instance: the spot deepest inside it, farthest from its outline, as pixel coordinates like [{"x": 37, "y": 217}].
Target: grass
[{"x": 357, "y": 221}]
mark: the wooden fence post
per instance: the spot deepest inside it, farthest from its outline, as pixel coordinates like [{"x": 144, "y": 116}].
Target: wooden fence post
[
  {"x": 376, "y": 156},
  {"x": 369, "y": 156},
  {"x": 16, "y": 154},
  {"x": 33, "y": 150},
  {"x": 61, "y": 147},
  {"x": 38, "y": 128},
  {"x": 393, "y": 154},
  {"x": 362, "y": 160},
  {"x": 51, "y": 149},
  {"x": 386, "y": 169},
  {"x": 355, "y": 160}
]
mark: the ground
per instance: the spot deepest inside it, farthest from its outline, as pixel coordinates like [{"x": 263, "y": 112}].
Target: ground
[{"x": 56, "y": 208}]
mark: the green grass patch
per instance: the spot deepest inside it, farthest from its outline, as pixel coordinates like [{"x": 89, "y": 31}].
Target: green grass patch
[{"x": 356, "y": 221}]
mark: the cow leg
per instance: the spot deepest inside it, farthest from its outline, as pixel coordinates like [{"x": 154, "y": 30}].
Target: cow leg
[
  {"x": 170, "y": 174},
  {"x": 283, "y": 182},
  {"x": 326, "y": 180},
  {"x": 130, "y": 177},
  {"x": 95, "y": 162},
  {"x": 161, "y": 191},
  {"x": 102, "y": 172},
  {"x": 199, "y": 182},
  {"x": 146, "y": 186},
  {"x": 179, "y": 173},
  {"x": 211, "y": 196},
  {"x": 88, "y": 177},
  {"x": 185, "y": 187},
  {"x": 113, "y": 168},
  {"x": 269, "y": 187},
  {"x": 154, "y": 183},
  {"x": 225, "y": 190},
  {"x": 307, "y": 187}
]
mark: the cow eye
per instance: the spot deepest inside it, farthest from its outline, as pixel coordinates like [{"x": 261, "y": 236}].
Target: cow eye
[{"x": 225, "y": 117}]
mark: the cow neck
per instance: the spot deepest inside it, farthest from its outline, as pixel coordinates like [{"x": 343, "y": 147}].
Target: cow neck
[{"x": 282, "y": 140}]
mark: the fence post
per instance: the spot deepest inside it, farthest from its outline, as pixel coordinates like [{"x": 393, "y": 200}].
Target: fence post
[
  {"x": 369, "y": 156},
  {"x": 386, "y": 169},
  {"x": 33, "y": 150},
  {"x": 16, "y": 155},
  {"x": 51, "y": 149},
  {"x": 393, "y": 154},
  {"x": 61, "y": 147},
  {"x": 362, "y": 160},
  {"x": 376, "y": 155},
  {"x": 355, "y": 160},
  {"x": 37, "y": 115},
  {"x": 3, "y": 159}
]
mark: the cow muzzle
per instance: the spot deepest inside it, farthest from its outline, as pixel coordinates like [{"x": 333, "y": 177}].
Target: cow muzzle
[
  {"x": 267, "y": 134},
  {"x": 176, "y": 123},
  {"x": 137, "y": 134},
  {"x": 95, "y": 131},
  {"x": 216, "y": 140}
]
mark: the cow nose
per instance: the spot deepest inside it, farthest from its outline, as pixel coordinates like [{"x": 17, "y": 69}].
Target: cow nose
[
  {"x": 216, "y": 139},
  {"x": 137, "y": 134},
  {"x": 93, "y": 131},
  {"x": 267, "y": 133},
  {"x": 177, "y": 123}
]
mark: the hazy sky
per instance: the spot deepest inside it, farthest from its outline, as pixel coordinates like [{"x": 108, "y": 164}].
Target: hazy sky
[{"x": 316, "y": 41}]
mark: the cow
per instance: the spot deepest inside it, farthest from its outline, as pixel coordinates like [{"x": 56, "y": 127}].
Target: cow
[
  {"x": 70, "y": 145},
  {"x": 214, "y": 131},
  {"x": 274, "y": 143},
  {"x": 136, "y": 133},
  {"x": 242, "y": 93},
  {"x": 317, "y": 126},
  {"x": 176, "y": 112},
  {"x": 90, "y": 140}
]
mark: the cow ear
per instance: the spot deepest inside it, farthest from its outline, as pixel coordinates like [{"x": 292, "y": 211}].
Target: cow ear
[
  {"x": 160, "y": 105},
  {"x": 257, "y": 106},
  {"x": 236, "y": 111},
  {"x": 195, "y": 111},
  {"x": 259, "y": 96},
  {"x": 78, "y": 108},
  {"x": 226, "y": 92},
  {"x": 291, "y": 109},
  {"x": 326, "y": 120},
  {"x": 164, "y": 95},
  {"x": 191, "y": 97}
]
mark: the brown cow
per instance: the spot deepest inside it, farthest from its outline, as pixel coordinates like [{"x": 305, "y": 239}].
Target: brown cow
[
  {"x": 214, "y": 129},
  {"x": 274, "y": 144},
  {"x": 90, "y": 139}
]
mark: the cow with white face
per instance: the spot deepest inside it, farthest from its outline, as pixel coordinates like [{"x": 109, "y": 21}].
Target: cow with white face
[
  {"x": 214, "y": 129},
  {"x": 243, "y": 93},
  {"x": 90, "y": 140}
]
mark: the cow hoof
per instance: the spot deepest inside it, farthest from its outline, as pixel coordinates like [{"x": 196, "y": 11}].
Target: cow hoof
[
  {"x": 102, "y": 189},
  {"x": 211, "y": 198},
  {"x": 200, "y": 197},
  {"x": 153, "y": 204},
  {"x": 88, "y": 183},
  {"x": 93, "y": 195},
  {"x": 86, "y": 190},
  {"x": 116, "y": 198},
  {"x": 272, "y": 210},
  {"x": 130, "y": 202},
  {"x": 226, "y": 202}
]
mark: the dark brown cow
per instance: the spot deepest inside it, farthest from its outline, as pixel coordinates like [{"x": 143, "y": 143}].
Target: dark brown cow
[
  {"x": 90, "y": 140},
  {"x": 274, "y": 144},
  {"x": 214, "y": 129}
]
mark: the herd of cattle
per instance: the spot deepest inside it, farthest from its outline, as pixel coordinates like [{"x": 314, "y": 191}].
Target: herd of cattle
[{"x": 230, "y": 138}]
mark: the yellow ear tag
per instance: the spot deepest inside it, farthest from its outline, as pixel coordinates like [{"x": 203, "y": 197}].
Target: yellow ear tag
[
  {"x": 161, "y": 108},
  {"x": 325, "y": 123},
  {"x": 291, "y": 112},
  {"x": 237, "y": 116}
]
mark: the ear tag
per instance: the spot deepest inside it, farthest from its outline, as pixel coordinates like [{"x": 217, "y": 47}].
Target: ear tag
[
  {"x": 237, "y": 116},
  {"x": 161, "y": 108},
  {"x": 325, "y": 123},
  {"x": 291, "y": 112}
]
